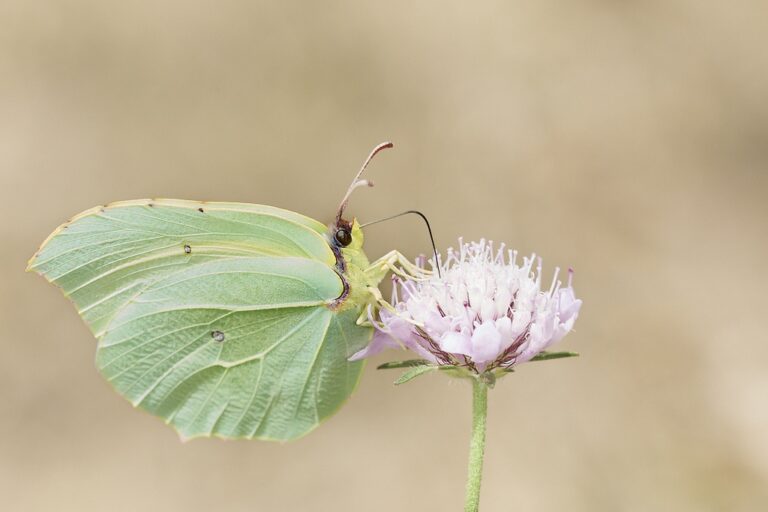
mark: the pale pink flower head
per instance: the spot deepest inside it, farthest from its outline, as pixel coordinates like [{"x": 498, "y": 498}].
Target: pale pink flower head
[{"x": 482, "y": 311}]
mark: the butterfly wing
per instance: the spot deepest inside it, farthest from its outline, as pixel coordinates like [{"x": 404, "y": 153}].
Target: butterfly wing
[{"x": 216, "y": 317}]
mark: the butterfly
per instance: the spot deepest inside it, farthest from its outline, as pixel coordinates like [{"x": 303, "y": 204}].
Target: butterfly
[{"x": 231, "y": 320}]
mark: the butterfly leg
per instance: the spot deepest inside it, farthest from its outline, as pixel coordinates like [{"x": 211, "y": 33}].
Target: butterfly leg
[
  {"x": 401, "y": 267},
  {"x": 396, "y": 263},
  {"x": 393, "y": 262},
  {"x": 367, "y": 314}
]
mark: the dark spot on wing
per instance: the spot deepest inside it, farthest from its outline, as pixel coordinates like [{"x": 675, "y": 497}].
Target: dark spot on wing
[
  {"x": 187, "y": 249},
  {"x": 150, "y": 205},
  {"x": 201, "y": 210},
  {"x": 217, "y": 336}
]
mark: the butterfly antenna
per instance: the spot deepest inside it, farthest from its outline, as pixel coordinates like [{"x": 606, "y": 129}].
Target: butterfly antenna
[
  {"x": 357, "y": 182},
  {"x": 429, "y": 230}
]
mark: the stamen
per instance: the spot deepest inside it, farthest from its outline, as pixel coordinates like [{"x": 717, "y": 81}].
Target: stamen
[
  {"x": 500, "y": 255},
  {"x": 395, "y": 282},
  {"x": 554, "y": 280},
  {"x": 528, "y": 263},
  {"x": 538, "y": 271}
]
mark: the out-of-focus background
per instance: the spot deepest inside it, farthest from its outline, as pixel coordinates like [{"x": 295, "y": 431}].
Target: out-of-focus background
[{"x": 626, "y": 139}]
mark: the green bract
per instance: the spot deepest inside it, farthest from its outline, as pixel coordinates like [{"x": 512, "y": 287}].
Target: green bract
[{"x": 225, "y": 319}]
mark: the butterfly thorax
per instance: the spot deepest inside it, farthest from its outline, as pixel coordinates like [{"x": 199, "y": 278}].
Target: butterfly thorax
[{"x": 351, "y": 265}]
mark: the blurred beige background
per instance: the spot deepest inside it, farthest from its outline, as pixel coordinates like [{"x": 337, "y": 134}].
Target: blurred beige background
[{"x": 627, "y": 139}]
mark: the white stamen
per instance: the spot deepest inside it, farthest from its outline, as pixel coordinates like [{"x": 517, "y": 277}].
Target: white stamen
[{"x": 554, "y": 280}]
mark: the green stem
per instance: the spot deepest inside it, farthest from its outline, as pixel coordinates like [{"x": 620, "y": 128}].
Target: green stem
[{"x": 477, "y": 444}]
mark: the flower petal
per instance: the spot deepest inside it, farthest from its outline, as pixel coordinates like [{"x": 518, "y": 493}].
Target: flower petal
[
  {"x": 486, "y": 343},
  {"x": 379, "y": 342},
  {"x": 456, "y": 343}
]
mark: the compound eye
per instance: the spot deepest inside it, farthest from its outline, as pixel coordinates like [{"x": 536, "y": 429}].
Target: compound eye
[{"x": 343, "y": 236}]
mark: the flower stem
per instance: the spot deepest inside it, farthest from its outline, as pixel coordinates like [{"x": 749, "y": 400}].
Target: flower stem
[{"x": 477, "y": 444}]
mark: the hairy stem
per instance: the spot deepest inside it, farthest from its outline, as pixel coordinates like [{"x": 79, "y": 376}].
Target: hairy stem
[{"x": 477, "y": 444}]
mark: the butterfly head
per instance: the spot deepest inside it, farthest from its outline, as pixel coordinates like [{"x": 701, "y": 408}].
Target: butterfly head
[
  {"x": 346, "y": 235},
  {"x": 346, "y": 240}
]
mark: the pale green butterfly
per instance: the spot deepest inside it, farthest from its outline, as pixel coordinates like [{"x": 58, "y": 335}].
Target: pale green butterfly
[{"x": 225, "y": 319}]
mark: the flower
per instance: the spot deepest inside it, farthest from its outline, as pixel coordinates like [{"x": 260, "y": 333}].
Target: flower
[{"x": 482, "y": 310}]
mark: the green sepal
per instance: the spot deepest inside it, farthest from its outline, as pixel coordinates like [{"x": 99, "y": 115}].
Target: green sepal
[
  {"x": 544, "y": 356},
  {"x": 409, "y": 363},
  {"x": 488, "y": 379},
  {"x": 458, "y": 372},
  {"x": 414, "y": 372}
]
